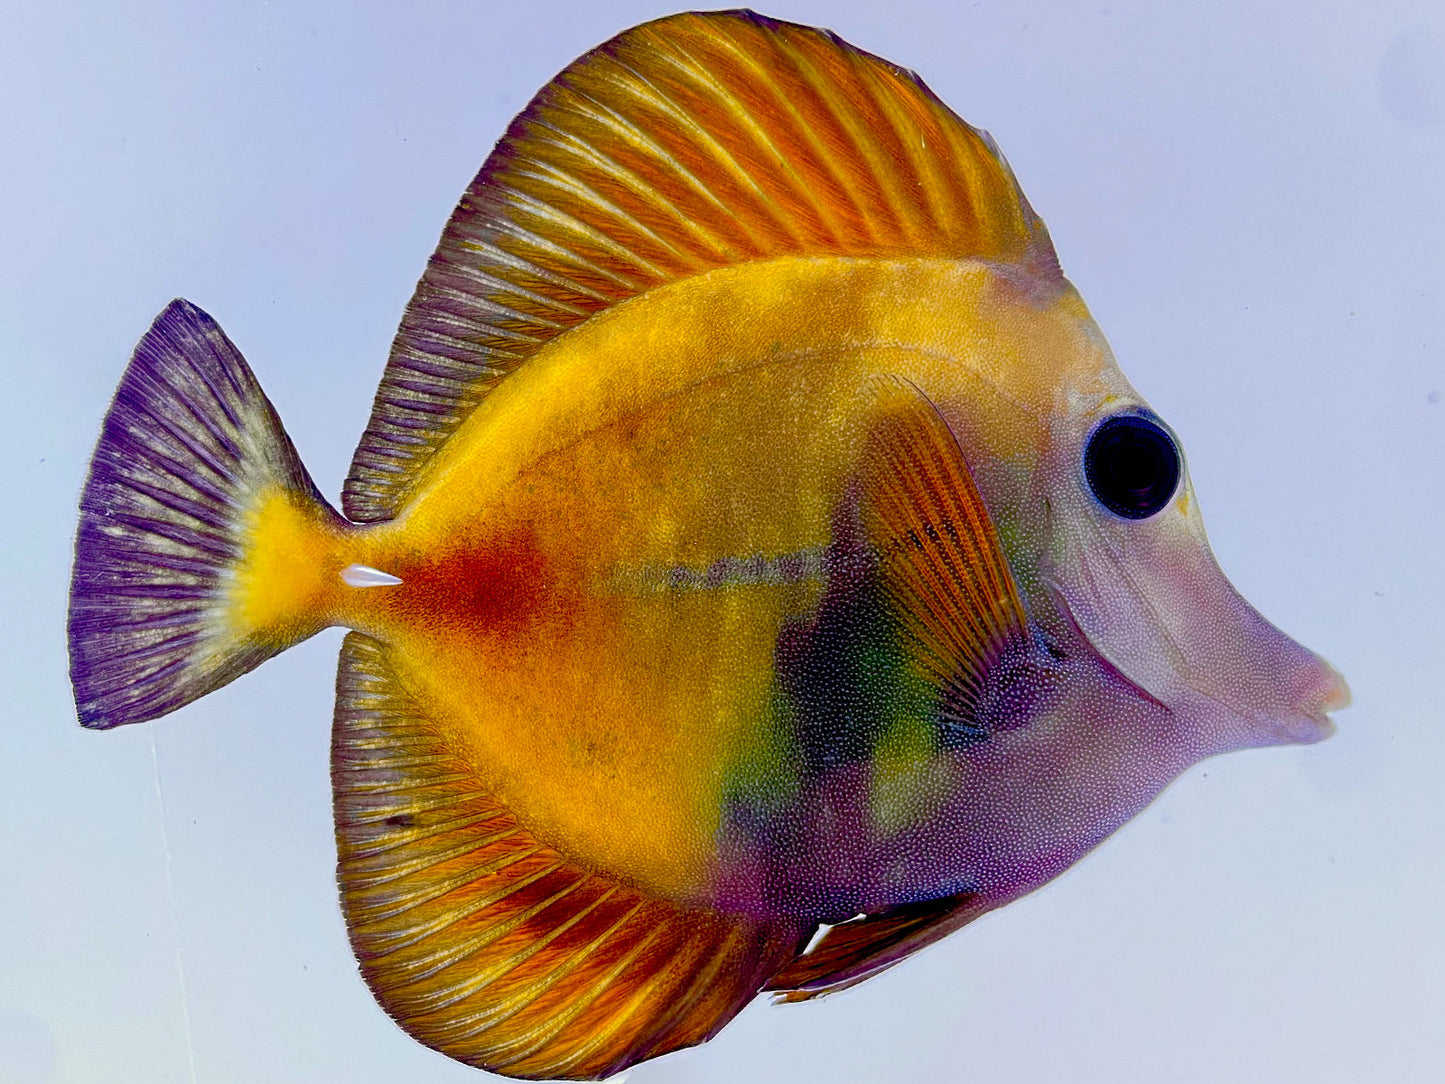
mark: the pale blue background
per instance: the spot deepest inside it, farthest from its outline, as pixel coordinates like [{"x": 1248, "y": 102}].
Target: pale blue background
[{"x": 1251, "y": 197}]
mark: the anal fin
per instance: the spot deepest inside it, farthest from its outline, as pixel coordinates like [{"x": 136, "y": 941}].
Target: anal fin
[{"x": 484, "y": 943}]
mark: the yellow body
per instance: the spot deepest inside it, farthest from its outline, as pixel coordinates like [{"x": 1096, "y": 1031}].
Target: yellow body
[{"x": 553, "y": 615}]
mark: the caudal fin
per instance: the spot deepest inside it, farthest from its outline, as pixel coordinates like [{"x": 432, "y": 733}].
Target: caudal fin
[{"x": 190, "y": 452}]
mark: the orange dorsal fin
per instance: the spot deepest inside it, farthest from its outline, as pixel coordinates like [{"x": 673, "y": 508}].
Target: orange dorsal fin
[
  {"x": 941, "y": 567},
  {"x": 691, "y": 143},
  {"x": 851, "y": 952},
  {"x": 486, "y": 944}
]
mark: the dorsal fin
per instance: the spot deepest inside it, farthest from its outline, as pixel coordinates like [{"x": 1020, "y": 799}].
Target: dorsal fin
[
  {"x": 694, "y": 142},
  {"x": 853, "y": 951},
  {"x": 488, "y": 945}
]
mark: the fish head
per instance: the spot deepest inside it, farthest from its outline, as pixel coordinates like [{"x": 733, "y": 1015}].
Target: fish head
[
  {"x": 1094, "y": 501},
  {"x": 1127, "y": 562}
]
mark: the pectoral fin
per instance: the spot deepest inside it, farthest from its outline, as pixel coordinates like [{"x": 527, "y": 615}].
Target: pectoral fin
[
  {"x": 941, "y": 567},
  {"x": 483, "y": 942},
  {"x": 952, "y": 597}
]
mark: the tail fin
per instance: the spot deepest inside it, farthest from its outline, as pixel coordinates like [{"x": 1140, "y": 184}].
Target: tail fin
[{"x": 190, "y": 453}]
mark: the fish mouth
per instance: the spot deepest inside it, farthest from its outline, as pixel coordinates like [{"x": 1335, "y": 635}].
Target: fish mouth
[{"x": 1311, "y": 722}]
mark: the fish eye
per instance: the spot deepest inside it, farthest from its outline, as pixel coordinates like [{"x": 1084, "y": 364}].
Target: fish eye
[{"x": 1132, "y": 465}]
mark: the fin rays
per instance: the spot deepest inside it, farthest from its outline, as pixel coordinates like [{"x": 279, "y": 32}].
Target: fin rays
[
  {"x": 684, "y": 145},
  {"x": 949, "y": 584},
  {"x": 854, "y": 951},
  {"x": 486, "y": 944},
  {"x": 188, "y": 449}
]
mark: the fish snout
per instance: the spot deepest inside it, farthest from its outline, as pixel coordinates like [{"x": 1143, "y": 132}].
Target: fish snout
[
  {"x": 1316, "y": 688},
  {"x": 1282, "y": 691},
  {"x": 1175, "y": 627}
]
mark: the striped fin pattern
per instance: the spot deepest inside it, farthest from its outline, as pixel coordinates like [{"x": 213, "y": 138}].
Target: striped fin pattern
[
  {"x": 189, "y": 442},
  {"x": 947, "y": 581},
  {"x": 854, "y": 951},
  {"x": 691, "y": 143},
  {"x": 489, "y": 946}
]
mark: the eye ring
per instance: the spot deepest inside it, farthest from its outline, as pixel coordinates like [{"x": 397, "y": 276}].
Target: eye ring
[{"x": 1132, "y": 465}]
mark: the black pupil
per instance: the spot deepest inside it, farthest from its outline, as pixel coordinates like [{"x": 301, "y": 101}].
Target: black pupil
[{"x": 1132, "y": 466}]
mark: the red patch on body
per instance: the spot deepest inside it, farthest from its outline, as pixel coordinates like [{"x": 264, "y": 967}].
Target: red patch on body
[{"x": 499, "y": 586}]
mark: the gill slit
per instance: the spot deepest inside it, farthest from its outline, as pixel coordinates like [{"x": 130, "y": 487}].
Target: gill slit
[
  {"x": 1176, "y": 653},
  {"x": 1182, "y": 669}
]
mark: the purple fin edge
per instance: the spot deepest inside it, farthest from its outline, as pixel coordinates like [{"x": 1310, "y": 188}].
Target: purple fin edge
[{"x": 187, "y": 437}]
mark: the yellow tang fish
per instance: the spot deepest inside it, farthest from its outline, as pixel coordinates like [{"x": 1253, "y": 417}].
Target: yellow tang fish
[{"x": 753, "y": 535}]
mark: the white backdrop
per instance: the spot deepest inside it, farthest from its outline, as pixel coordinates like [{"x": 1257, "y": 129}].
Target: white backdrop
[{"x": 1248, "y": 195}]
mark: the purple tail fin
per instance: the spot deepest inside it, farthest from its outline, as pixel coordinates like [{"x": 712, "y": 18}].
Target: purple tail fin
[{"x": 189, "y": 442}]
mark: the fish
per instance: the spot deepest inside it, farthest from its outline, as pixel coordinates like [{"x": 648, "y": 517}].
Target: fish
[{"x": 756, "y": 566}]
